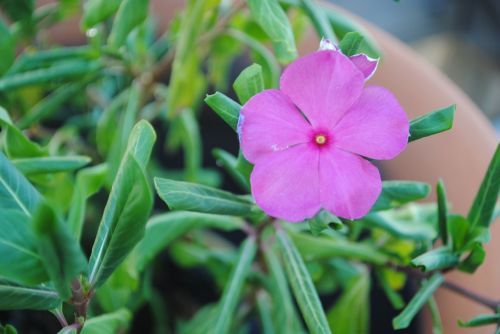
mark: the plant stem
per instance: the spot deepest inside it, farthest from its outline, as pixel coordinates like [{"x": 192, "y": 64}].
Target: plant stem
[
  {"x": 60, "y": 317},
  {"x": 485, "y": 301}
]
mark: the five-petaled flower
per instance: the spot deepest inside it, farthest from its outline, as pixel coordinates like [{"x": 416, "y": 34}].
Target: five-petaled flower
[{"x": 309, "y": 139}]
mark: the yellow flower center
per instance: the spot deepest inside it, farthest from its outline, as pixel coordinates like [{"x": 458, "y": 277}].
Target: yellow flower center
[{"x": 320, "y": 139}]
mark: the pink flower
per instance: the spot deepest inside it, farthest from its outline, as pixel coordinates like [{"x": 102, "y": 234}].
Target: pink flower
[{"x": 308, "y": 139}]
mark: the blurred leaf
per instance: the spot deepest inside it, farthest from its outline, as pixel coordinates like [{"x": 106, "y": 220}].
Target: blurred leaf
[
  {"x": 129, "y": 204},
  {"x": 432, "y": 123},
  {"x": 442, "y": 212},
  {"x": 96, "y": 11},
  {"x": 230, "y": 163},
  {"x": 88, "y": 182},
  {"x": 115, "y": 322},
  {"x": 8, "y": 329},
  {"x": 161, "y": 230},
  {"x": 194, "y": 197},
  {"x": 314, "y": 248},
  {"x": 225, "y": 107},
  {"x": 473, "y": 260},
  {"x": 322, "y": 221},
  {"x": 265, "y": 313},
  {"x": 273, "y": 20},
  {"x": 131, "y": 13},
  {"x": 60, "y": 71},
  {"x": 481, "y": 320},
  {"x": 351, "y": 43},
  {"x": 60, "y": 252},
  {"x": 302, "y": 287},
  {"x": 191, "y": 143},
  {"x": 437, "y": 326},
  {"x": 458, "y": 230},
  {"x": 481, "y": 211},
  {"x": 19, "y": 9},
  {"x": 428, "y": 287},
  {"x": 400, "y": 228},
  {"x": 319, "y": 20},
  {"x": 15, "y": 190},
  {"x": 394, "y": 298},
  {"x": 356, "y": 296},
  {"x": 46, "y": 165},
  {"x": 398, "y": 193},
  {"x": 229, "y": 301},
  {"x": 20, "y": 260},
  {"x": 436, "y": 259},
  {"x": 249, "y": 82},
  {"x": 17, "y": 145},
  {"x": 17, "y": 297},
  {"x": 7, "y": 47},
  {"x": 68, "y": 330}
]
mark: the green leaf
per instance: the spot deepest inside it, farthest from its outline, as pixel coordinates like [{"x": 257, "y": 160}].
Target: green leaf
[
  {"x": 436, "y": 259},
  {"x": 225, "y": 107},
  {"x": 404, "y": 319},
  {"x": 17, "y": 297},
  {"x": 68, "y": 330},
  {"x": 458, "y": 229},
  {"x": 18, "y": 10},
  {"x": 229, "y": 301},
  {"x": 20, "y": 260},
  {"x": 129, "y": 204},
  {"x": 60, "y": 71},
  {"x": 191, "y": 143},
  {"x": 88, "y": 182},
  {"x": 187, "y": 196},
  {"x": 273, "y": 20},
  {"x": 351, "y": 43},
  {"x": 131, "y": 13},
  {"x": 249, "y": 82},
  {"x": 230, "y": 164},
  {"x": 303, "y": 287},
  {"x": 265, "y": 312},
  {"x": 473, "y": 260},
  {"x": 397, "y": 193},
  {"x": 115, "y": 322},
  {"x": 394, "y": 298},
  {"x": 60, "y": 252},
  {"x": 481, "y": 211},
  {"x": 432, "y": 123},
  {"x": 481, "y": 320},
  {"x": 7, "y": 48},
  {"x": 322, "y": 221},
  {"x": 442, "y": 212},
  {"x": 45, "y": 165},
  {"x": 318, "y": 19},
  {"x": 161, "y": 230},
  {"x": 314, "y": 248},
  {"x": 398, "y": 227},
  {"x": 356, "y": 296},
  {"x": 15, "y": 190},
  {"x": 437, "y": 325},
  {"x": 96, "y": 11},
  {"x": 9, "y": 329}
]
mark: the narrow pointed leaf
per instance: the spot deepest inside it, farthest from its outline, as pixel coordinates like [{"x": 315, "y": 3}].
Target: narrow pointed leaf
[
  {"x": 481, "y": 320},
  {"x": 432, "y": 123},
  {"x": 96, "y": 11},
  {"x": 230, "y": 165},
  {"x": 225, "y": 107},
  {"x": 130, "y": 14},
  {"x": 46, "y": 165},
  {"x": 442, "y": 212},
  {"x": 397, "y": 193},
  {"x": 249, "y": 82},
  {"x": 436, "y": 259},
  {"x": 319, "y": 20},
  {"x": 17, "y": 297}
]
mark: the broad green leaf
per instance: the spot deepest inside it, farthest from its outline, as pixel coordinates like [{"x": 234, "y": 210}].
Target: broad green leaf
[
  {"x": 473, "y": 260},
  {"x": 314, "y": 248},
  {"x": 45, "y": 165},
  {"x": 432, "y": 123},
  {"x": 399, "y": 227},
  {"x": 394, "y": 298},
  {"x": 356, "y": 296},
  {"x": 17, "y": 297},
  {"x": 442, "y": 212},
  {"x": 15, "y": 190},
  {"x": 115, "y": 322},
  {"x": 322, "y": 221},
  {"x": 96, "y": 11},
  {"x": 16, "y": 144},
  {"x": 125, "y": 215},
  {"x": 20, "y": 260},
  {"x": 8, "y": 329},
  {"x": 225, "y": 107},
  {"x": 351, "y": 43},
  {"x": 107, "y": 133},
  {"x": 273, "y": 20},
  {"x": 249, "y": 82},
  {"x": 62, "y": 70},
  {"x": 459, "y": 231},
  {"x": 230, "y": 165},
  {"x": 61, "y": 254},
  {"x": 186, "y": 196},
  {"x": 7, "y": 47},
  {"x": 481, "y": 211},
  {"x": 426, "y": 291},
  {"x": 229, "y": 301},
  {"x": 481, "y": 320},
  {"x": 88, "y": 182},
  {"x": 303, "y": 287},
  {"x": 131, "y": 13},
  {"x": 161, "y": 230},
  {"x": 437, "y": 325},
  {"x": 435, "y": 259},
  {"x": 397, "y": 193},
  {"x": 318, "y": 19}
]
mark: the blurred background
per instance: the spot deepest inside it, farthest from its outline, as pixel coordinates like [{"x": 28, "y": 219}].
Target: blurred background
[{"x": 461, "y": 37}]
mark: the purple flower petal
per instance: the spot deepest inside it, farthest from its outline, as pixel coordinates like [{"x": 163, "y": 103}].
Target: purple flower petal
[
  {"x": 271, "y": 123},
  {"x": 286, "y": 184},
  {"x": 365, "y": 64},
  {"x": 376, "y": 126},
  {"x": 349, "y": 184},
  {"x": 323, "y": 85}
]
